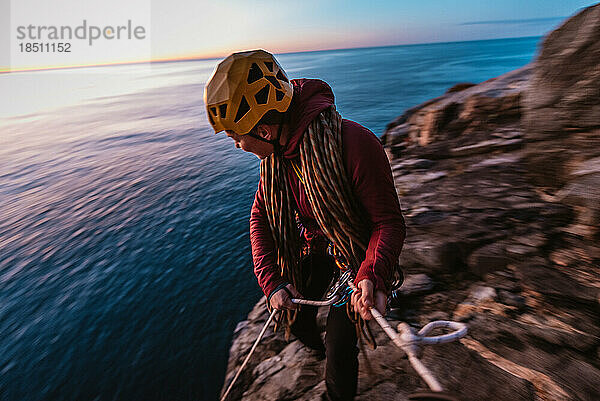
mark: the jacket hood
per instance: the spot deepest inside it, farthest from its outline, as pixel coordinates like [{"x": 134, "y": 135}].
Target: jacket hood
[{"x": 311, "y": 96}]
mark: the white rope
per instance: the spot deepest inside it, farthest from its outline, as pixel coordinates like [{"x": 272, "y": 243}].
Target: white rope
[
  {"x": 408, "y": 341},
  {"x": 262, "y": 332},
  {"x": 300, "y": 301},
  {"x": 460, "y": 330},
  {"x": 327, "y": 302}
]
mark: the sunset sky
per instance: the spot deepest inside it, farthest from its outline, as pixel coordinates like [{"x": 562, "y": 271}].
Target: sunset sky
[
  {"x": 204, "y": 29},
  {"x": 184, "y": 27}
]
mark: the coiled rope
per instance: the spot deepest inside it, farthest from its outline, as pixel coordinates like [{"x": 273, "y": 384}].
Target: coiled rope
[
  {"x": 336, "y": 208},
  {"x": 332, "y": 200}
]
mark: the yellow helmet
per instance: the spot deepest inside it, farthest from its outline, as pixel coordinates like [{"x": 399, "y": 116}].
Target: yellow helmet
[{"x": 243, "y": 88}]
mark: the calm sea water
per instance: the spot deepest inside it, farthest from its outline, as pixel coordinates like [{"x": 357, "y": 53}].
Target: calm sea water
[{"x": 124, "y": 251}]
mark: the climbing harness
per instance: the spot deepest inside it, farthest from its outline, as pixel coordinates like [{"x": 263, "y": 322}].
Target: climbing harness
[
  {"x": 406, "y": 339},
  {"x": 338, "y": 294}
]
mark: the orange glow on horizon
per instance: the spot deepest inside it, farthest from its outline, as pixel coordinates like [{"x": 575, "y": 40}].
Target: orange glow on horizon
[
  {"x": 198, "y": 56},
  {"x": 4, "y": 70}
]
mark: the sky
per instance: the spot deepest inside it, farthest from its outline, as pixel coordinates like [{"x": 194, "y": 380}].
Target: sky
[
  {"x": 221, "y": 27},
  {"x": 206, "y": 29}
]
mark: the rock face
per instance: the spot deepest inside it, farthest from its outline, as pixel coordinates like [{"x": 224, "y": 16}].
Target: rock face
[
  {"x": 561, "y": 120},
  {"x": 499, "y": 183},
  {"x": 566, "y": 80}
]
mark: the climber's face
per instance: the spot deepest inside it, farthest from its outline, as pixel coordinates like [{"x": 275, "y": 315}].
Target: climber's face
[{"x": 252, "y": 145}]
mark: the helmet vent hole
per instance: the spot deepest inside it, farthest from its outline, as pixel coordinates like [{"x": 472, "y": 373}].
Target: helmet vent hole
[
  {"x": 222, "y": 110},
  {"x": 272, "y": 80},
  {"x": 269, "y": 65},
  {"x": 262, "y": 97},
  {"x": 254, "y": 74},
  {"x": 279, "y": 95},
  {"x": 242, "y": 110},
  {"x": 212, "y": 122},
  {"x": 282, "y": 77},
  {"x": 214, "y": 111}
]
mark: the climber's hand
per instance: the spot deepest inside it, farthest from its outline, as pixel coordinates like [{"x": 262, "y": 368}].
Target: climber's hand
[
  {"x": 362, "y": 299},
  {"x": 281, "y": 300}
]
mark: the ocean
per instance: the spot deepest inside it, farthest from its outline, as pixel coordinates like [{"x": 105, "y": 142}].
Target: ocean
[{"x": 125, "y": 258}]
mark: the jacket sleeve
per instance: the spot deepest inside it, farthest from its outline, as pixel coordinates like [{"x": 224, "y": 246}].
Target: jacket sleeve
[
  {"x": 369, "y": 169},
  {"x": 263, "y": 249}
]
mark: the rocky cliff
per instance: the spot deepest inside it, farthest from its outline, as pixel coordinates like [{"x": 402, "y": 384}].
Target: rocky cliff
[{"x": 499, "y": 183}]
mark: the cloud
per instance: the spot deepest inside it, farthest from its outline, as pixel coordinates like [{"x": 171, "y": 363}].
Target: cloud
[{"x": 516, "y": 21}]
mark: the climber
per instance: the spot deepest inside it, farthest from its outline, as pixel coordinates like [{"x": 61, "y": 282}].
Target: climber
[{"x": 325, "y": 182}]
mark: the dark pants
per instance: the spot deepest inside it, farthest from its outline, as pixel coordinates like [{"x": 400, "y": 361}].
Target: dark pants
[{"x": 341, "y": 369}]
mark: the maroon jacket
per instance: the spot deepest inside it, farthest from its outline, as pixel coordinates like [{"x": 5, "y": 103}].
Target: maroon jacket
[{"x": 371, "y": 177}]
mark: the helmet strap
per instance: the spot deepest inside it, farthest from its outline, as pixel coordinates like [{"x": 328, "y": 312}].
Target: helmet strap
[
  {"x": 274, "y": 142},
  {"x": 277, "y": 145}
]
